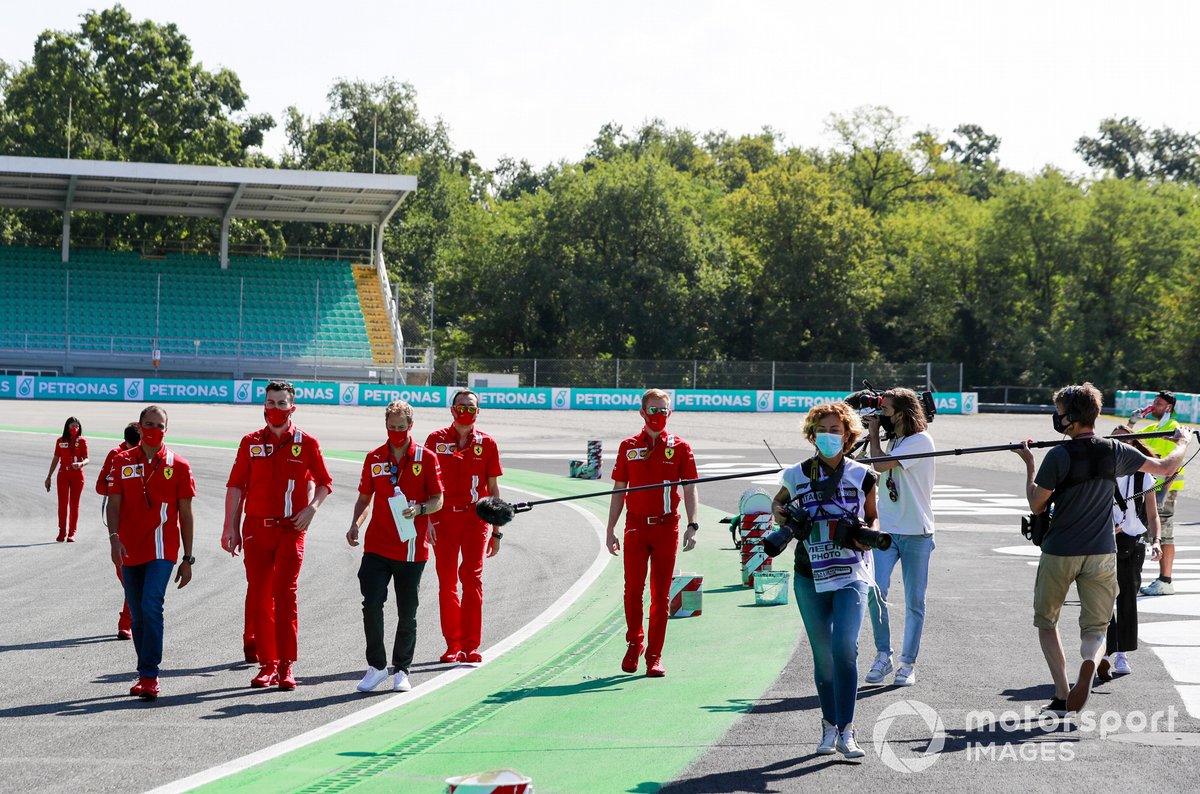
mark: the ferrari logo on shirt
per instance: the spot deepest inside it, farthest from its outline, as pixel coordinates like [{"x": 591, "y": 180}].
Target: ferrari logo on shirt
[
  {"x": 131, "y": 471},
  {"x": 416, "y": 469},
  {"x": 167, "y": 472},
  {"x": 669, "y": 452},
  {"x": 296, "y": 450},
  {"x": 637, "y": 454},
  {"x": 479, "y": 449}
]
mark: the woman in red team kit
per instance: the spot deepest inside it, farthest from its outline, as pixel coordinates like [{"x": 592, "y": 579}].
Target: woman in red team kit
[
  {"x": 70, "y": 456},
  {"x": 470, "y": 463},
  {"x": 133, "y": 436}
]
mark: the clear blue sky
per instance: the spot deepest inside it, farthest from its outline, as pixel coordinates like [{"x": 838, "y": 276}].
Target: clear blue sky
[{"x": 538, "y": 79}]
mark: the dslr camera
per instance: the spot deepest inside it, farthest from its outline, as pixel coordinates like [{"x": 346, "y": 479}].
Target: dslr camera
[
  {"x": 849, "y": 531},
  {"x": 796, "y": 524}
]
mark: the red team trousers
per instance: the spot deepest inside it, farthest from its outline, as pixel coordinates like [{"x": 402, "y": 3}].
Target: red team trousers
[
  {"x": 273, "y": 558},
  {"x": 70, "y": 488},
  {"x": 460, "y": 535},
  {"x": 654, "y": 546}
]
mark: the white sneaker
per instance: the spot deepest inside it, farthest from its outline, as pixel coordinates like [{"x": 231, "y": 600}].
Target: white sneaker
[
  {"x": 880, "y": 668},
  {"x": 847, "y": 746},
  {"x": 1158, "y": 587},
  {"x": 829, "y": 737},
  {"x": 401, "y": 682},
  {"x": 373, "y": 678},
  {"x": 1120, "y": 664},
  {"x": 906, "y": 675}
]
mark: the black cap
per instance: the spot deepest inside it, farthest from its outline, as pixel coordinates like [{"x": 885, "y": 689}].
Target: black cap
[{"x": 1167, "y": 397}]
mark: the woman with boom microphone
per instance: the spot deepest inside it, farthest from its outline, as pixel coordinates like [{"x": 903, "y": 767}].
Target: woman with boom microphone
[{"x": 826, "y": 500}]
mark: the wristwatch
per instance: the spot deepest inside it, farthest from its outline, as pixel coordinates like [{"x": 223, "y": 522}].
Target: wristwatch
[
  {"x": 694, "y": 526},
  {"x": 188, "y": 560},
  {"x": 497, "y": 534}
]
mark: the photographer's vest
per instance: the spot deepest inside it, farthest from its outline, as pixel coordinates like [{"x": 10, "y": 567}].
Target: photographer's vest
[
  {"x": 830, "y": 566},
  {"x": 1163, "y": 446}
]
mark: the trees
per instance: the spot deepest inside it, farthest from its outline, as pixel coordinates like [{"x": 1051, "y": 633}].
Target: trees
[
  {"x": 131, "y": 91},
  {"x": 1127, "y": 150}
]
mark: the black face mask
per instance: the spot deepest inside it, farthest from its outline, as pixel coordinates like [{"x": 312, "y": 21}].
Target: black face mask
[
  {"x": 887, "y": 424},
  {"x": 1060, "y": 423}
]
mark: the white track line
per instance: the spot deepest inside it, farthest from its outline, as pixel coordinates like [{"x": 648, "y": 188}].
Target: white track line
[{"x": 402, "y": 699}]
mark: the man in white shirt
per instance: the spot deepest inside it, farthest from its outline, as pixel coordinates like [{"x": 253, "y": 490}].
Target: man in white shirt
[{"x": 906, "y": 512}]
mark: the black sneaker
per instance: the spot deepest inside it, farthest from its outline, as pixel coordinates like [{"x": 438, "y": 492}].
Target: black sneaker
[{"x": 1057, "y": 707}]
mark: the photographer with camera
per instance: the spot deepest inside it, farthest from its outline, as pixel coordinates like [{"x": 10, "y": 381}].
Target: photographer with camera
[
  {"x": 906, "y": 513},
  {"x": 828, "y": 503},
  {"x": 1079, "y": 545}
]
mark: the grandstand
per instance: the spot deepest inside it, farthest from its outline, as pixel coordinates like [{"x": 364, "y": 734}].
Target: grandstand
[{"x": 96, "y": 312}]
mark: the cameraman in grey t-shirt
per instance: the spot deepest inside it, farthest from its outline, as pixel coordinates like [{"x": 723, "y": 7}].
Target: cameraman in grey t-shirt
[{"x": 1080, "y": 547}]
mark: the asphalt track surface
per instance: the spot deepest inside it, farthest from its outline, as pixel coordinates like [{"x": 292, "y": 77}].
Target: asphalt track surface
[{"x": 737, "y": 711}]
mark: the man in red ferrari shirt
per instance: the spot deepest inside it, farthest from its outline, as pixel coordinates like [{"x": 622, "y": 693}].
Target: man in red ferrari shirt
[
  {"x": 651, "y": 525},
  {"x": 403, "y": 470},
  {"x": 470, "y": 464},
  {"x": 270, "y": 481},
  {"x": 150, "y": 491},
  {"x": 132, "y": 437}
]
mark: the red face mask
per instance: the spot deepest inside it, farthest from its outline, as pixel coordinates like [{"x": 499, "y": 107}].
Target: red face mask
[
  {"x": 72, "y": 431},
  {"x": 152, "y": 436},
  {"x": 465, "y": 418},
  {"x": 656, "y": 422},
  {"x": 277, "y": 417},
  {"x": 397, "y": 438}
]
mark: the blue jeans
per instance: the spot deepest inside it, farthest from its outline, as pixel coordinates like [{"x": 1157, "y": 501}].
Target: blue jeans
[
  {"x": 832, "y": 621},
  {"x": 912, "y": 552},
  {"x": 145, "y": 589}
]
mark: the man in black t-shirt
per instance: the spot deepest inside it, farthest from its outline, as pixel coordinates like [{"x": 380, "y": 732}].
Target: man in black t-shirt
[{"x": 1080, "y": 546}]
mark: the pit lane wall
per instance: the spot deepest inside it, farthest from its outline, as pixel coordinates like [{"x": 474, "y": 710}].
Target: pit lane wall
[{"x": 164, "y": 390}]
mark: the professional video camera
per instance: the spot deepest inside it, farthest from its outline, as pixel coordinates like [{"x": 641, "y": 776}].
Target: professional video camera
[
  {"x": 868, "y": 401},
  {"x": 848, "y": 532}
]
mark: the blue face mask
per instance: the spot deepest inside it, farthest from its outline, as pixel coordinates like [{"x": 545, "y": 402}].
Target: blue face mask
[{"x": 829, "y": 444}]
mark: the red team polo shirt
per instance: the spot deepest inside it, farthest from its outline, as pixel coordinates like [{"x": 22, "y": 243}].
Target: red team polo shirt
[
  {"x": 273, "y": 472},
  {"x": 102, "y": 478},
  {"x": 465, "y": 470},
  {"x": 671, "y": 460},
  {"x": 418, "y": 476},
  {"x": 69, "y": 453},
  {"x": 150, "y": 493}
]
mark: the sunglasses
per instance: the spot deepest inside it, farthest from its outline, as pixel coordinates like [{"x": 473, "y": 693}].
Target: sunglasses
[
  {"x": 655, "y": 410},
  {"x": 893, "y": 494},
  {"x": 465, "y": 409}
]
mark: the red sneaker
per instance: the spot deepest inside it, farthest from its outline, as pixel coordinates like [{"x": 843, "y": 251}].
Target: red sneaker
[
  {"x": 136, "y": 689},
  {"x": 654, "y": 667},
  {"x": 149, "y": 688},
  {"x": 630, "y": 663},
  {"x": 473, "y": 657},
  {"x": 268, "y": 675},
  {"x": 124, "y": 634},
  {"x": 287, "y": 681},
  {"x": 62, "y": 535},
  {"x": 452, "y": 655}
]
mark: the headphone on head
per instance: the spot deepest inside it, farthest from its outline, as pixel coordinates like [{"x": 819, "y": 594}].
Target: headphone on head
[{"x": 1068, "y": 397}]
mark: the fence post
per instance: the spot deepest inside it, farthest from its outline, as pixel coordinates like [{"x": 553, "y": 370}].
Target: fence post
[
  {"x": 851, "y": 376},
  {"x": 535, "y": 373},
  {"x": 618, "y": 374},
  {"x": 960, "y": 377},
  {"x": 455, "y": 381},
  {"x": 772, "y": 376},
  {"x": 695, "y": 374},
  {"x": 929, "y": 376}
]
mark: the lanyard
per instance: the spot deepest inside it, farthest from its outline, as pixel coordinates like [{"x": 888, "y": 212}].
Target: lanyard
[{"x": 158, "y": 459}]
